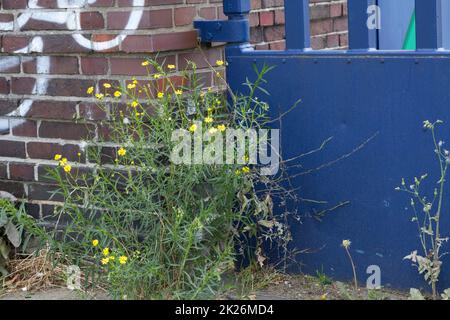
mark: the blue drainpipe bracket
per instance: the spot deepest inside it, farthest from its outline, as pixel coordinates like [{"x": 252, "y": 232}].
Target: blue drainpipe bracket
[{"x": 234, "y": 30}]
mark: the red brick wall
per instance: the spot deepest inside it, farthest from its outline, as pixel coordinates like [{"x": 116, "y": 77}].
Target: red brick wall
[
  {"x": 328, "y": 24},
  {"x": 52, "y": 50}
]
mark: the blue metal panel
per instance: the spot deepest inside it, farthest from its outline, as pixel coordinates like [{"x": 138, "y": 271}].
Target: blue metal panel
[
  {"x": 428, "y": 24},
  {"x": 446, "y": 23},
  {"x": 360, "y": 36},
  {"x": 373, "y": 104},
  {"x": 395, "y": 19},
  {"x": 353, "y": 98},
  {"x": 297, "y": 24}
]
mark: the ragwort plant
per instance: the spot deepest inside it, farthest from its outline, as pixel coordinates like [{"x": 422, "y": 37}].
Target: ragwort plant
[{"x": 144, "y": 226}]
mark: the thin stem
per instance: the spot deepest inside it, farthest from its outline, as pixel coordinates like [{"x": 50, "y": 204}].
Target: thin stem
[{"x": 353, "y": 268}]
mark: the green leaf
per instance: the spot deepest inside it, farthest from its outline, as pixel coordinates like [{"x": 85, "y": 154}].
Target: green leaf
[
  {"x": 267, "y": 223},
  {"x": 13, "y": 234},
  {"x": 3, "y": 219},
  {"x": 4, "y": 250}
]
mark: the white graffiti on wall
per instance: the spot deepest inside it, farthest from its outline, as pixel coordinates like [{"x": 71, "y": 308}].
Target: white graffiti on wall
[{"x": 71, "y": 19}]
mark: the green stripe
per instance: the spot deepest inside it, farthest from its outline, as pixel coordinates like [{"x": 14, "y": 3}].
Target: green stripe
[{"x": 410, "y": 40}]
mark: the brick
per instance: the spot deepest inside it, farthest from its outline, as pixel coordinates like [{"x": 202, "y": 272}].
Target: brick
[
  {"x": 66, "y": 130},
  {"x": 4, "y": 86},
  {"x": 91, "y": 21},
  {"x": 44, "y": 192},
  {"x": 33, "y": 209},
  {"x": 7, "y": 106},
  {"x": 91, "y": 111},
  {"x": 9, "y": 64},
  {"x": 58, "y": 65},
  {"x": 94, "y": 65},
  {"x": 43, "y": 109},
  {"x": 3, "y": 170},
  {"x": 24, "y": 128},
  {"x": 138, "y": 44},
  {"x": 184, "y": 16},
  {"x": 23, "y": 85},
  {"x": 175, "y": 41},
  {"x": 14, "y": 4},
  {"x": 47, "y": 151},
  {"x": 13, "y": 149},
  {"x": 17, "y": 189},
  {"x": 153, "y": 19},
  {"x": 21, "y": 171},
  {"x": 266, "y": 18},
  {"x": 6, "y": 22},
  {"x": 69, "y": 87}
]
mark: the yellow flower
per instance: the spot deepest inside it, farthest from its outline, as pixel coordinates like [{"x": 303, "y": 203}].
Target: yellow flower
[
  {"x": 212, "y": 130},
  {"x": 131, "y": 86},
  {"x": 122, "y": 152},
  {"x": 324, "y": 296},
  {"x": 63, "y": 162},
  {"x": 67, "y": 168},
  {"x": 179, "y": 92},
  {"x": 193, "y": 128},
  {"x": 134, "y": 104},
  {"x": 99, "y": 96},
  {"x": 245, "y": 169},
  {"x": 135, "y": 81},
  {"x": 94, "y": 242},
  {"x": 237, "y": 172},
  {"x": 58, "y": 157},
  {"x": 112, "y": 258},
  {"x": 160, "y": 95},
  {"x": 107, "y": 85},
  {"x": 145, "y": 63},
  {"x": 79, "y": 154},
  {"x": 346, "y": 243},
  {"x": 156, "y": 76},
  {"x": 221, "y": 127},
  {"x": 90, "y": 90},
  {"x": 105, "y": 261},
  {"x": 220, "y": 63},
  {"x": 117, "y": 94},
  {"x": 123, "y": 259},
  {"x": 171, "y": 66},
  {"x": 209, "y": 120},
  {"x": 105, "y": 252}
]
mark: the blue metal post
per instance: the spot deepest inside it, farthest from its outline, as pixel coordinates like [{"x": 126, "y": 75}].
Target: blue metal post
[
  {"x": 429, "y": 24},
  {"x": 360, "y": 36},
  {"x": 297, "y": 24}
]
